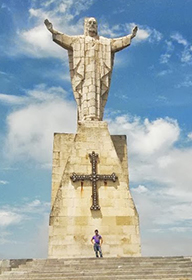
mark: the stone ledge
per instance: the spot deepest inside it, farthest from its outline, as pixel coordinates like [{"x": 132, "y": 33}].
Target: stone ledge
[{"x": 7, "y": 265}]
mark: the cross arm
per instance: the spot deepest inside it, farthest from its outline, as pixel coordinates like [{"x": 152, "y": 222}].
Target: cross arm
[
  {"x": 111, "y": 177},
  {"x": 74, "y": 177}
]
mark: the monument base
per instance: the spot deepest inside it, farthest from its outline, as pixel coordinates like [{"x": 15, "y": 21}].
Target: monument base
[{"x": 72, "y": 222}]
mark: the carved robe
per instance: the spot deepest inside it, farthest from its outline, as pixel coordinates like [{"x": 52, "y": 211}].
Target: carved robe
[{"x": 91, "y": 63}]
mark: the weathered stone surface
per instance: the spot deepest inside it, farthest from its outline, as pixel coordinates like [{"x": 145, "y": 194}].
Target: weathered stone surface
[
  {"x": 72, "y": 223},
  {"x": 91, "y": 60},
  {"x": 167, "y": 268}
]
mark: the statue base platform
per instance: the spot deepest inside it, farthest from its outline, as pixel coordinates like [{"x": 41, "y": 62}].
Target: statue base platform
[{"x": 72, "y": 222}]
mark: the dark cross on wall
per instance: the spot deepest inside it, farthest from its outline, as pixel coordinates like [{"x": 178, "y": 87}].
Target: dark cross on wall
[{"x": 94, "y": 177}]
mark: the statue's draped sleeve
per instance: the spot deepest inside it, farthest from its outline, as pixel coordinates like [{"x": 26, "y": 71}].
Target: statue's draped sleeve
[
  {"x": 63, "y": 40},
  {"x": 77, "y": 66},
  {"x": 76, "y": 55},
  {"x": 117, "y": 44},
  {"x": 106, "y": 64}
]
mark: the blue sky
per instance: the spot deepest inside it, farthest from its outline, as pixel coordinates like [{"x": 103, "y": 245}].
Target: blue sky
[{"x": 150, "y": 101}]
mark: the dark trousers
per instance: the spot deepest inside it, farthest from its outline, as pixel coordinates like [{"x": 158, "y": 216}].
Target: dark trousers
[{"x": 97, "y": 248}]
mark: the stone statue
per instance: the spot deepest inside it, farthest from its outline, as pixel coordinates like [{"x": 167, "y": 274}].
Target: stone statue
[{"x": 91, "y": 63}]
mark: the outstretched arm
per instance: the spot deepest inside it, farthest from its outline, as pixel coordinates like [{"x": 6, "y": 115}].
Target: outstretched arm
[
  {"x": 61, "y": 39},
  {"x": 117, "y": 44}
]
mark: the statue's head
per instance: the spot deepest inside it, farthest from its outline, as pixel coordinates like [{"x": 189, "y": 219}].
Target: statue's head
[{"x": 90, "y": 27}]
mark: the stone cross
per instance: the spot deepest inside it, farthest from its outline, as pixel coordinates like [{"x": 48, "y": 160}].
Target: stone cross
[
  {"x": 94, "y": 177},
  {"x": 91, "y": 60}
]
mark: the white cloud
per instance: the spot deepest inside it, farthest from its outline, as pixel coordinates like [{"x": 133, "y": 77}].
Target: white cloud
[
  {"x": 34, "y": 207},
  {"x": 39, "y": 94},
  {"x": 31, "y": 127},
  {"x": 160, "y": 173},
  {"x": 37, "y": 41},
  {"x": 186, "y": 83},
  {"x": 140, "y": 189},
  {"x": 169, "y": 46},
  {"x": 119, "y": 30},
  {"x": 170, "y": 207},
  {"x": 2, "y": 182},
  {"x": 64, "y": 10},
  {"x": 151, "y": 34},
  {"x": 179, "y": 39},
  {"x": 186, "y": 54},
  {"x": 152, "y": 154},
  {"x": 142, "y": 35},
  {"x": 39, "y": 122},
  {"x": 173, "y": 46},
  {"x": 145, "y": 33},
  {"x": 11, "y": 99},
  {"x": 190, "y": 135},
  {"x": 155, "y": 36},
  {"x": 15, "y": 214},
  {"x": 161, "y": 170},
  {"x": 110, "y": 31},
  {"x": 165, "y": 58},
  {"x": 42, "y": 93},
  {"x": 164, "y": 72},
  {"x": 164, "y": 212},
  {"x": 16, "y": 237},
  {"x": 34, "y": 203},
  {"x": 147, "y": 137},
  {"x": 8, "y": 218},
  {"x": 154, "y": 160}
]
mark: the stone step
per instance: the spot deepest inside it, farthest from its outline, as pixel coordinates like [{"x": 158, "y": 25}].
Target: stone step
[
  {"x": 106, "y": 267},
  {"x": 119, "y": 268},
  {"x": 140, "y": 259},
  {"x": 104, "y": 261},
  {"x": 99, "y": 276},
  {"x": 100, "y": 265},
  {"x": 103, "y": 273},
  {"x": 128, "y": 277},
  {"x": 114, "y": 270},
  {"x": 103, "y": 269},
  {"x": 136, "y": 259}
]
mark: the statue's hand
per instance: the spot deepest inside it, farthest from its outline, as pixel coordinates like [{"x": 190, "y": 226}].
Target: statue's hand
[
  {"x": 49, "y": 25},
  {"x": 134, "y": 32}
]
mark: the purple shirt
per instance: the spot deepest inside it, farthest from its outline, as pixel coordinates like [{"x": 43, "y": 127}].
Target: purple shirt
[{"x": 97, "y": 238}]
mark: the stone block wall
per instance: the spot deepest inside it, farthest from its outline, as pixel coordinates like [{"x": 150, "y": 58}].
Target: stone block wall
[{"x": 72, "y": 223}]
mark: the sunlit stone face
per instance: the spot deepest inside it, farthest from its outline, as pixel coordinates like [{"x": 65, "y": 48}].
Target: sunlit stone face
[{"x": 91, "y": 27}]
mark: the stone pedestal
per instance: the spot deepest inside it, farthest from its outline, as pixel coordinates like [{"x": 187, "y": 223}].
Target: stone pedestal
[{"x": 72, "y": 223}]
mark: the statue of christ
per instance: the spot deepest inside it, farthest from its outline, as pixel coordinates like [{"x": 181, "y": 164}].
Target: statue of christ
[{"x": 91, "y": 63}]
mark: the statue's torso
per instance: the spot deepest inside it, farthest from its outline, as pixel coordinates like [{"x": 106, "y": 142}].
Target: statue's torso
[{"x": 90, "y": 65}]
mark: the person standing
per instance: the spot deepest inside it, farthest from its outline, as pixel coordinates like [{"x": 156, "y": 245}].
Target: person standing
[{"x": 97, "y": 241}]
